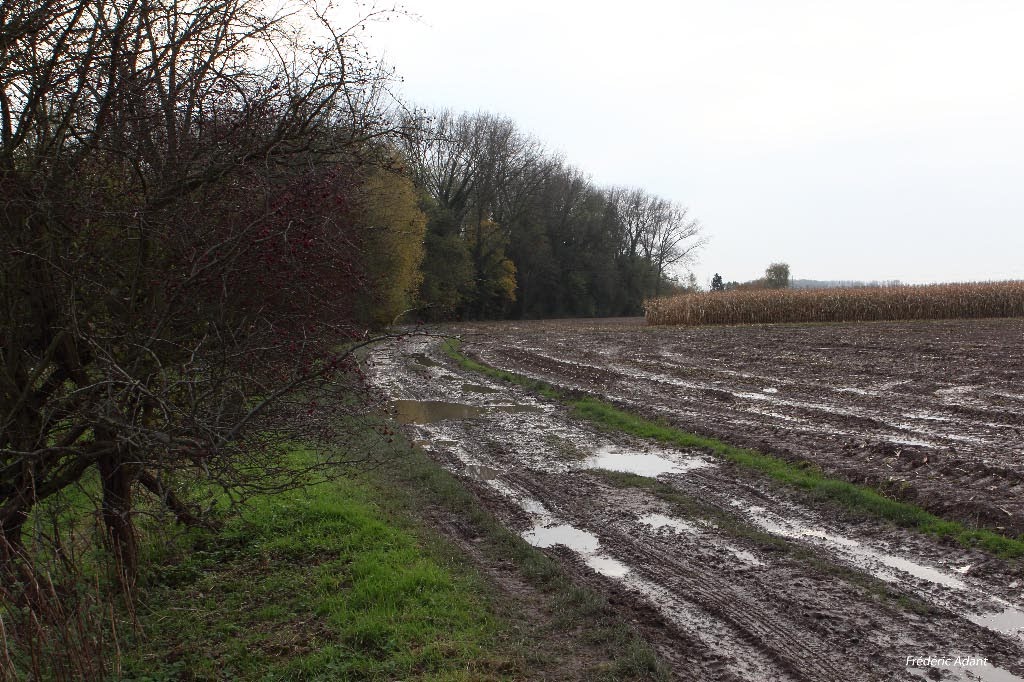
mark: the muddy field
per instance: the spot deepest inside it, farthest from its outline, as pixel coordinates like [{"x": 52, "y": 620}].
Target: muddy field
[
  {"x": 932, "y": 410},
  {"x": 730, "y": 576}
]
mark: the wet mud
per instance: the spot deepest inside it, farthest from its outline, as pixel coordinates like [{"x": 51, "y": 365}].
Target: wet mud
[
  {"x": 713, "y": 564},
  {"x": 931, "y": 411}
]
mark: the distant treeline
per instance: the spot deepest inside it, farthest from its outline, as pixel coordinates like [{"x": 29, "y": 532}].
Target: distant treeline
[
  {"x": 777, "y": 276},
  {"x": 514, "y": 231},
  {"x": 923, "y": 302},
  {"x": 841, "y": 283}
]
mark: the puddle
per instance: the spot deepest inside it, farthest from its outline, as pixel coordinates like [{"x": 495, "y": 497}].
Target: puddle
[
  {"x": 481, "y": 472},
  {"x": 659, "y": 521},
  {"x": 854, "y": 389},
  {"x": 430, "y": 411},
  {"x": 605, "y": 565},
  {"x": 927, "y": 416},
  {"x": 912, "y": 441},
  {"x": 745, "y": 556},
  {"x": 477, "y": 388},
  {"x": 572, "y": 537},
  {"x": 517, "y": 408},
  {"x": 1005, "y": 618},
  {"x": 965, "y": 673},
  {"x": 915, "y": 569},
  {"x": 549, "y": 532},
  {"x": 641, "y": 463},
  {"x": 1009, "y": 620},
  {"x": 421, "y": 359},
  {"x": 529, "y": 505},
  {"x": 583, "y": 543},
  {"x": 865, "y": 557}
]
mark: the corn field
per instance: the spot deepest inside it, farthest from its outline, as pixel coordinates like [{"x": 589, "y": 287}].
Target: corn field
[{"x": 923, "y": 302}]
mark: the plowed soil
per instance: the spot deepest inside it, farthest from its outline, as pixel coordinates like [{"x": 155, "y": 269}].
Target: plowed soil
[
  {"x": 730, "y": 576},
  {"x": 933, "y": 411}
]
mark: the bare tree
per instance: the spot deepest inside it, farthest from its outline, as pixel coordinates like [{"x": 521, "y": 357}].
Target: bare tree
[
  {"x": 655, "y": 233},
  {"x": 674, "y": 240},
  {"x": 445, "y": 154},
  {"x": 179, "y": 184}
]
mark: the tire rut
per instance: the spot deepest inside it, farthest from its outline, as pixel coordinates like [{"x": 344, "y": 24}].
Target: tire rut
[{"x": 760, "y": 618}]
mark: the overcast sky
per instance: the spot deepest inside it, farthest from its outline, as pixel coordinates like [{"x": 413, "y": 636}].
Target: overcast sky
[{"x": 853, "y": 140}]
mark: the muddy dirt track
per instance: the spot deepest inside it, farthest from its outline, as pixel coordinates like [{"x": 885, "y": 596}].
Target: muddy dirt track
[{"x": 728, "y": 575}]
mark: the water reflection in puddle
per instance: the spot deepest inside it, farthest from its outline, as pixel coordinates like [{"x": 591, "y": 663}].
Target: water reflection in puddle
[
  {"x": 745, "y": 556},
  {"x": 583, "y": 543},
  {"x": 563, "y": 534},
  {"x": 533, "y": 507},
  {"x": 641, "y": 463},
  {"x": 422, "y": 359},
  {"x": 481, "y": 472},
  {"x": 659, "y": 521},
  {"x": 961, "y": 673},
  {"x": 549, "y": 531},
  {"x": 1002, "y": 616},
  {"x": 477, "y": 388},
  {"x": 863, "y": 556},
  {"x": 430, "y": 411},
  {"x": 1010, "y": 619},
  {"x": 605, "y": 565},
  {"x": 517, "y": 408}
]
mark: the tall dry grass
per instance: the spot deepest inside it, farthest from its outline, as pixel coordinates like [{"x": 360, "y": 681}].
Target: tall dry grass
[
  {"x": 59, "y": 632},
  {"x": 65, "y": 609},
  {"x": 923, "y": 302}
]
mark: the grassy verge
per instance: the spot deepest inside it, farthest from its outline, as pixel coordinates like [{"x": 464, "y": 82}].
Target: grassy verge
[
  {"x": 347, "y": 579},
  {"x": 803, "y": 476},
  {"x": 315, "y": 584}
]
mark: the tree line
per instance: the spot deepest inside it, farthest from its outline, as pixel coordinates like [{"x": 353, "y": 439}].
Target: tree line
[
  {"x": 776, "y": 276},
  {"x": 514, "y": 231}
]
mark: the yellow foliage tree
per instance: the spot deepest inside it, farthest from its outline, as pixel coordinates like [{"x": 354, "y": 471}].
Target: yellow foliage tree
[
  {"x": 505, "y": 281},
  {"x": 495, "y": 273},
  {"x": 396, "y": 227}
]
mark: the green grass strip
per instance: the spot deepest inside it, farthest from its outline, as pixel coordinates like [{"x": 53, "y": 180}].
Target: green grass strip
[
  {"x": 803, "y": 475},
  {"x": 315, "y": 584}
]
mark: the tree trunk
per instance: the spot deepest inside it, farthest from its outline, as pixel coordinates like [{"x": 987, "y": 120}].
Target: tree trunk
[
  {"x": 21, "y": 497},
  {"x": 171, "y": 501},
  {"x": 11, "y": 542},
  {"x": 116, "y": 477}
]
